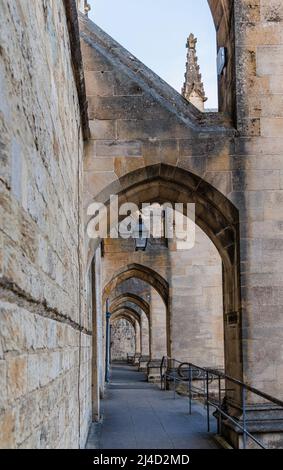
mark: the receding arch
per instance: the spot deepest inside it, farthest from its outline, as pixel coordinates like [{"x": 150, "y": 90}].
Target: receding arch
[
  {"x": 132, "y": 298},
  {"x": 140, "y": 272},
  {"x": 123, "y": 310},
  {"x": 126, "y": 315},
  {"x": 151, "y": 277},
  {"x": 121, "y": 301},
  {"x": 123, "y": 315}
]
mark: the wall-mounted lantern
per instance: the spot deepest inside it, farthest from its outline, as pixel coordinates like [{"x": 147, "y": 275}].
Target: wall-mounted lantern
[{"x": 141, "y": 235}]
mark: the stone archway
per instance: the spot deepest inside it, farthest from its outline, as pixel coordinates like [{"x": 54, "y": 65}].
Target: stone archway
[
  {"x": 140, "y": 272},
  {"x": 123, "y": 337},
  {"x": 125, "y": 310},
  {"x": 153, "y": 279},
  {"x": 128, "y": 298},
  {"x": 131, "y": 298},
  {"x": 215, "y": 215}
]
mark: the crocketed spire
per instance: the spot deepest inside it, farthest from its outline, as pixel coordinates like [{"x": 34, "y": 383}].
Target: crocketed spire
[{"x": 193, "y": 89}]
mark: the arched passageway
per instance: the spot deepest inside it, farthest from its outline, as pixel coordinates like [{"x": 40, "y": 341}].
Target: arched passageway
[
  {"x": 131, "y": 298},
  {"x": 215, "y": 215},
  {"x": 124, "y": 335},
  {"x": 158, "y": 310},
  {"x": 138, "y": 306}
]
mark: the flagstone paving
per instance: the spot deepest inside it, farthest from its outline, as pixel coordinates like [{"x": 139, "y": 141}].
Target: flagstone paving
[{"x": 138, "y": 415}]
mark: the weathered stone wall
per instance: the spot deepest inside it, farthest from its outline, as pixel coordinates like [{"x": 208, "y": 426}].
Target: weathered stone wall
[
  {"x": 122, "y": 339},
  {"x": 258, "y": 187},
  {"x": 45, "y": 342}
]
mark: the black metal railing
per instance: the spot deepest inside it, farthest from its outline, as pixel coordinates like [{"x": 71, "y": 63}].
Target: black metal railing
[{"x": 210, "y": 385}]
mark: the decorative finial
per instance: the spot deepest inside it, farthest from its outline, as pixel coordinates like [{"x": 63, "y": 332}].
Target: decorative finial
[
  {"x": 193, "y": 89},
  {"x": 84, "y": 7},
  {"x": 192, "y": 41}
]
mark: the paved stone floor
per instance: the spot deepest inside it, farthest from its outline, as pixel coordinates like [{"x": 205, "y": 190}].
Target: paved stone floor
[{"x": 138, "y": 415}]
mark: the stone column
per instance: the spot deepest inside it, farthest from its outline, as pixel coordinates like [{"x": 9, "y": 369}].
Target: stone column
[
  {"x": 137, "y": 337},
  {"x": 158, "y": 334},
  {"x": 144, "y": 335},
  {"x": 258, "y": 193}
]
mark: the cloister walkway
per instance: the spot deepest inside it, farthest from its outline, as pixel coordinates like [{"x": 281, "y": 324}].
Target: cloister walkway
[{"x": 138, "y": 415}]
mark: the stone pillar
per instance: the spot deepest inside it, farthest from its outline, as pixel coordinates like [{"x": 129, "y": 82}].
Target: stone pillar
[
  {"x": 158, "y": 334},
  {"x": 137, "y": 338},
  {"x": 144, "y": 335},
  {"x": 258, "y": 193},
  {"x": 98, "y": 367},
  {"x": 197, "y": 303}
]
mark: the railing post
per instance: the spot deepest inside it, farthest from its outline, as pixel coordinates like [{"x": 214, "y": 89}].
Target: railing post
[
  {"x": 219, "y": 421},
  {"x": 165, "y": 372},
  {"x": 161, "y": 373},
  {"x": 190, "y": 389},
  {"x": 244, "y": 416},
  {"x": 207, "y": 402}
]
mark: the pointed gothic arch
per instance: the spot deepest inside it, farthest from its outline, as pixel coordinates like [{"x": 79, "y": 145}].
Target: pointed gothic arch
[
  {"x": 143, "y": 273},
  {"x": 122, "y": 299},
  {"x": 130, "y": 312},
  {"x": 215, "y": 215},
  {"x": 151, "y": 277}
]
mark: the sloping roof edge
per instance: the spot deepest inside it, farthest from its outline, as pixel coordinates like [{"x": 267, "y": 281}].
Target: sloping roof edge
[
  {"x": 159, "y": 89},
  {"x": 77, "y": 62}
]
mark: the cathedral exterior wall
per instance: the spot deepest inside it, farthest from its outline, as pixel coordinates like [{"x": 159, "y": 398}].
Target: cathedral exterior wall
[
  {"x": 44, "y": 357},
  {"x": 143, "y": 135}
]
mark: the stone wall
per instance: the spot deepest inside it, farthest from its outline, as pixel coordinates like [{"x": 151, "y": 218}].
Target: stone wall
[
  {"x": 122, "y": 340},
  {"x": 45, "y": 342}
]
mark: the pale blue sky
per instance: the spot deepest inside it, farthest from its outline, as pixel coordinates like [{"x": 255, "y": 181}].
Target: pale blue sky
[{"x": 155, "y": 31}]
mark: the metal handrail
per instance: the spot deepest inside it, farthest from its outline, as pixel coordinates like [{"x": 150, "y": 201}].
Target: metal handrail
[{"x": 168, "y": 364}]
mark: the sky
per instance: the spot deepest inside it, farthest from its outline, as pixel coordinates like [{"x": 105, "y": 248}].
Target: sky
[{"x": 156, "y": 31}]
